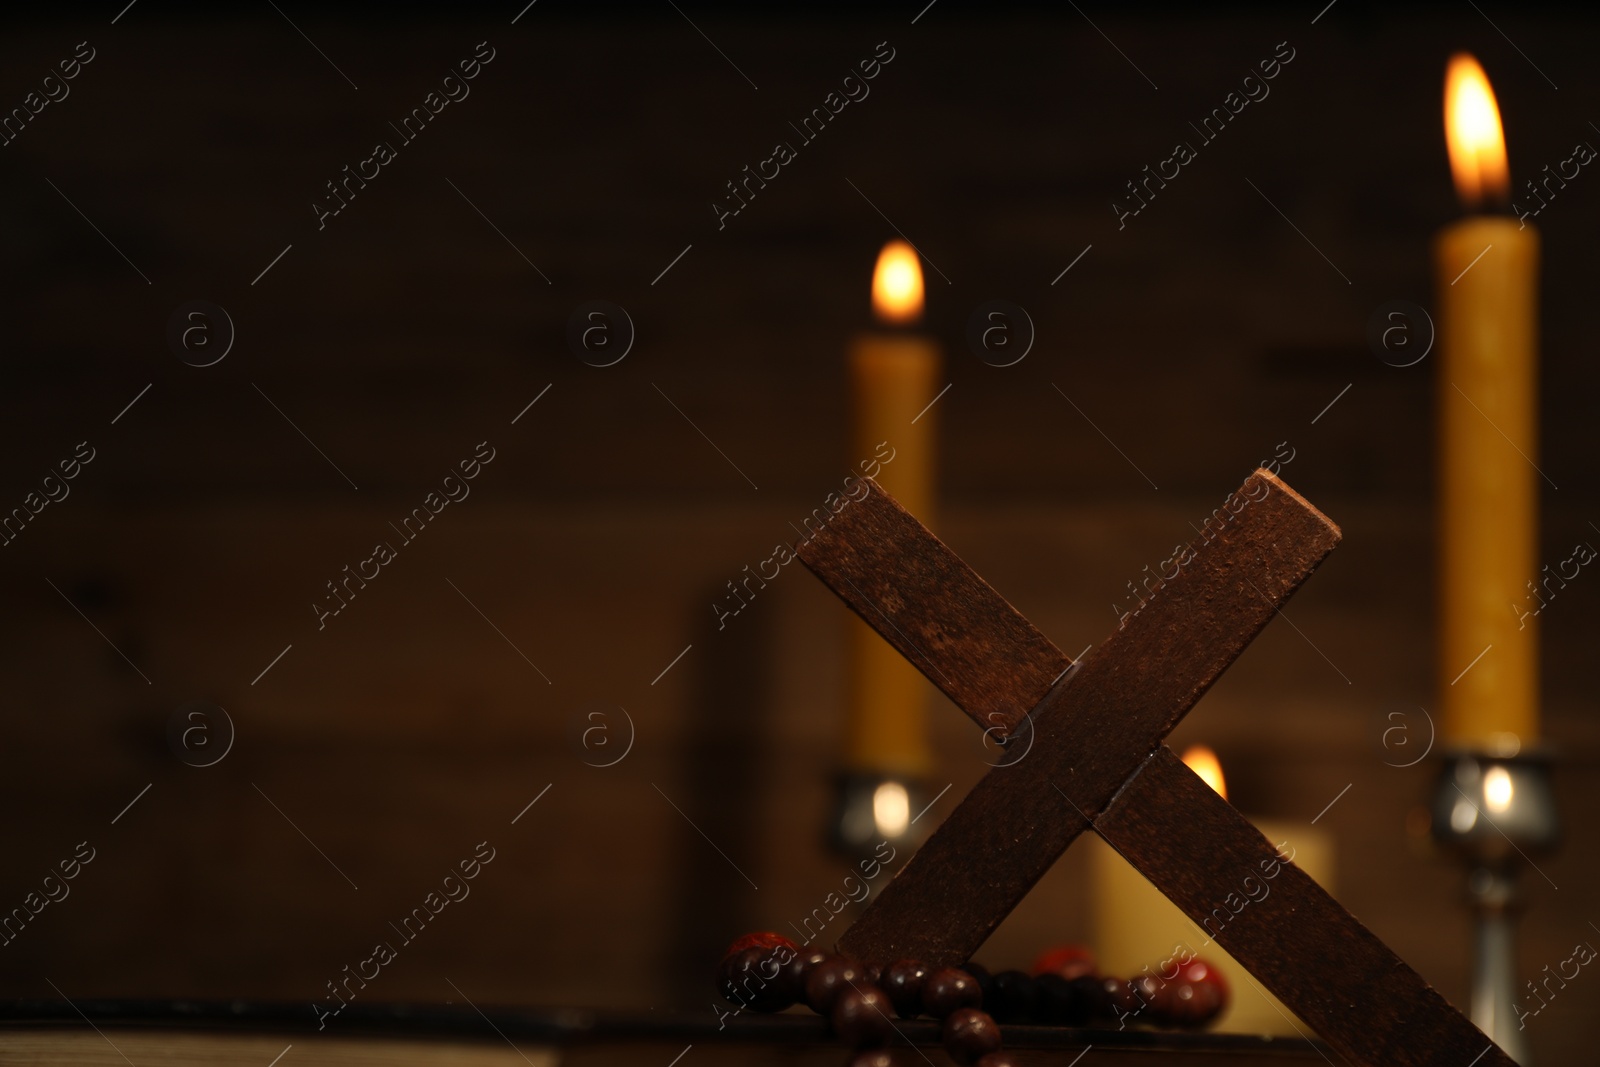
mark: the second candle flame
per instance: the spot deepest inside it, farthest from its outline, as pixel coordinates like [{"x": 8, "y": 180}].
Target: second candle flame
[
  {"x": 1473, "y": 134},
  {"x": 897, "y": 284},
  {"x": 1202, "y": 761}
]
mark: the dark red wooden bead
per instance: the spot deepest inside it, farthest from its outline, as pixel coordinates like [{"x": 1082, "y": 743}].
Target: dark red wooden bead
[
  {"x": 1120, "y": 999},
  {"x": 1014, "y": 997},
  {"x": 1155, "y": 999},
  {"x": 753, "y": 978},
  {"x": 860, "y": 1017},
  {"x": 969, "y": 1035},
  {"x": 1093, "y": 1002},
  {"x": 1057, "y": 1001},
  {"x": 1199, "y": 995},
  {"x": 798, "y": 969},
  {"x": 829, "y": 978},
  {"x": 733, "y": 970},
  {"x": 1195, "y": 1004},
  {"x": 902, "y": 980},
  {"x": 1199, "y": 971},
  {"x": 763, "y": 939},
  {"x": 947, "y": 990}
]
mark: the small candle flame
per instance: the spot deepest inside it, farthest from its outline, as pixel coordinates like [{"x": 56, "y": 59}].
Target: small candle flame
[
  {"x": 897, "y": 284},
  {"x": 891, "y": 809},
  {"x": 1202, "y": 761},
  {"x": 1472, "y": 131}
]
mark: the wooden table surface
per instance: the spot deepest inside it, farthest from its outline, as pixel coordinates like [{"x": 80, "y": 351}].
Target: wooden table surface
[{"x": 227, "y": 1032}]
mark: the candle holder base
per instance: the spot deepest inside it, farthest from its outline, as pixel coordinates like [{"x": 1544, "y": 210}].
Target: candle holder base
[{"x": 1495, "y": 813}]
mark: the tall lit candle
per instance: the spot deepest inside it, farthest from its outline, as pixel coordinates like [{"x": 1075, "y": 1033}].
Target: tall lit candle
[
  {"x": 1487, "y": 274},
  {"x": 894, "y": 374}
]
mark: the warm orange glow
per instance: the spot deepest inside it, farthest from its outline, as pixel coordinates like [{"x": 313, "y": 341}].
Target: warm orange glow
[
  {"x": 1472, "y": 132},
  {"x": 1202, "y": 761},
  {"x": 897, "y": 284}
]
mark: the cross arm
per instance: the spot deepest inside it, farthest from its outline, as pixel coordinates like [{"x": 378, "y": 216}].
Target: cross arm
[
  {"x": 1286, "y": 930},
  {"x": 1094, "y": 729},
  {"x": 926, "y": 602}
]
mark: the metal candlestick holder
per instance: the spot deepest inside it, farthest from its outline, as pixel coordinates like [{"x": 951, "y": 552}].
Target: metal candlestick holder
[{"x": 1496, "y": 814}]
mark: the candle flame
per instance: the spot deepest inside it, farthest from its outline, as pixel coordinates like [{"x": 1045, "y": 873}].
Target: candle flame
[
  {"x": 891, "y": 809},
  {"x": 1202, "y": 761},
  {"x": 1473, "y": 133},
  {"x": 897, "y": 284}
]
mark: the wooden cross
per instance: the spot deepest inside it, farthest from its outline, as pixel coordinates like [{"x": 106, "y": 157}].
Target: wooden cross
[{"x": 1098, "y": 762}]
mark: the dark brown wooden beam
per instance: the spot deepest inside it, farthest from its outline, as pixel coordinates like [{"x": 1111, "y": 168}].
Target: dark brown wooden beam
[
  {"x": 1270, "y": 916},
  {"x": 1094, "y": 729}
]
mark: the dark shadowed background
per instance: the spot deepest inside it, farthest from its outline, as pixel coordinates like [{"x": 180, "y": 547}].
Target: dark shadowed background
[{"x": 378, "y": 351}]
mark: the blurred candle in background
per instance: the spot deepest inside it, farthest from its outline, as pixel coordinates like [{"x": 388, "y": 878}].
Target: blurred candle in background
[
  {"x": 894, "y": 374},
  {"x": 1487, "y": 268}
]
